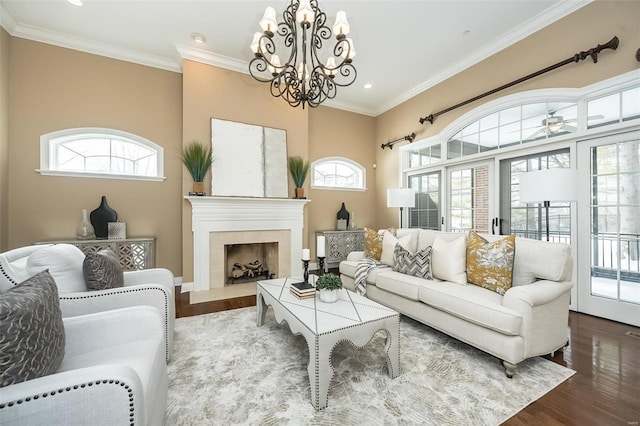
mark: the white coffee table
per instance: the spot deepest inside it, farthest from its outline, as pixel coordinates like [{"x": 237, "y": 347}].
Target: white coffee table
[{"x": 353, "y": 318}]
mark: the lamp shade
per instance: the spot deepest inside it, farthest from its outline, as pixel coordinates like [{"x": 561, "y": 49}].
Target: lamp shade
[
  {"x": 549, "y": 185},
  {"x": 401, "y": 197}
]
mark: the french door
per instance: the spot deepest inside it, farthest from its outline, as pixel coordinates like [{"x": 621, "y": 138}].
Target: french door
[{"x": 609, "y": 216}]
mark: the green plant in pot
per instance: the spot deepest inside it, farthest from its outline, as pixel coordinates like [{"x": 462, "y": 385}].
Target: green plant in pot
[
  {"x": 329, "y": 285},
  {"x": 197, "y": 159},
  {"x": 298, "y": 169}
]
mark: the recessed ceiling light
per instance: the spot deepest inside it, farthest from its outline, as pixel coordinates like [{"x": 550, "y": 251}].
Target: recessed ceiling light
[
  {"x": 466, "y": 32},
  {"x": 368, "y": 86},
  {"x": 75, "y": 2},
  {"x": 198, "y": 38}
]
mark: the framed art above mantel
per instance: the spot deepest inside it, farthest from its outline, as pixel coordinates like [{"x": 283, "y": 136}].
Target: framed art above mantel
[{"x": 249, "y": 160}]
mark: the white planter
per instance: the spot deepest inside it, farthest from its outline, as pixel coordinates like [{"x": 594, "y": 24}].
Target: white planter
[{"x": 329, "y": 296}]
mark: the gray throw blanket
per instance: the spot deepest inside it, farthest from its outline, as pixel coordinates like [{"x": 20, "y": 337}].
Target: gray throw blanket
[{"x": 364, "y": 266}]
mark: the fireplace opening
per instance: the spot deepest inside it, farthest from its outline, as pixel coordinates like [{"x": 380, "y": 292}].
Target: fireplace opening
[{"x": 250, "y": 262}]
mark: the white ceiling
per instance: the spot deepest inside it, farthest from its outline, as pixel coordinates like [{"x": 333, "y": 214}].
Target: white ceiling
[{"x": 403, "y": 47}]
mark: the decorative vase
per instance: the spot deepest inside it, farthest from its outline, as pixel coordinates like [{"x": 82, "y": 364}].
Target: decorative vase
[
  {"x": 329, "y": 296},
  {"x": 100, "y": 218},
  {"x": 85, "y": 230},
  {"x": 198, "y": 188},
  {"x": 343, "y": 214},
  {"x": 299, "y": 193}
]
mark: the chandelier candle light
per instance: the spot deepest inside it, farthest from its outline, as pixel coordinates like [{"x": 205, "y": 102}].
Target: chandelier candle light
[{"x": 309, "y": 75}]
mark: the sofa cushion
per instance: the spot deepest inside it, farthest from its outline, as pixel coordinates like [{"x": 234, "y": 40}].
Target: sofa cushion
[
  {"x": 102, "y": 270},
  {"x": 64, "y": 262},
  {"x": 449, "y": 259},
  {"x": 31, "y": 329},
  {"x": 490, "y": 265},
  {"x": 403, "y": 285},
  {"x": 472, "y": 303},
  {"x": 413, "y": 233},
  {"x": 417, "y": 264},
  {"x": 389, "y": 244}
]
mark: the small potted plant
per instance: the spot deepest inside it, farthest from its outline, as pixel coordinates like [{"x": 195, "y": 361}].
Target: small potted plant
[
  {"x": 329, "y": 285},
  {"x": 197, "y": 159},
  {"x": 298, "y": 169}
]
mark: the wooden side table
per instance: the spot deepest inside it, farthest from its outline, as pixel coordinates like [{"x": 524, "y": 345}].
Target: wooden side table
[{"x": 132, "y": 253}]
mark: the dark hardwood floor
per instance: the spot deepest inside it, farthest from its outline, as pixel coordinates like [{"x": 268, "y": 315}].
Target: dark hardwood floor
[{"x": 604, "y": 391}]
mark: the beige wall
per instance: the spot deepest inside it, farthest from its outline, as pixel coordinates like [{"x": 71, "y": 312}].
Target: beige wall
[
  {"x": 53, "y": 88},
  {"x": 4, "y": 139},
  {"x": 594, "y": 24},
  {"x": 336, "y": 133},
  {"x": 212, "y": 92}
]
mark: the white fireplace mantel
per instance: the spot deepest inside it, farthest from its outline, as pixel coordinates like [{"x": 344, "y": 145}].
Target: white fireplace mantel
[{"x": 222, "y": 214}]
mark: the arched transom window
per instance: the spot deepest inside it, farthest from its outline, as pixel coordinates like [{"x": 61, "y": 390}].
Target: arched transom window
[
  {"x": 98, "y": 152},
  {"x": 337, "y": 173}
]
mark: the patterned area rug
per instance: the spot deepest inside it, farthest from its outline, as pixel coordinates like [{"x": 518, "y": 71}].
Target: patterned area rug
[{"x": 225, "y": 370}]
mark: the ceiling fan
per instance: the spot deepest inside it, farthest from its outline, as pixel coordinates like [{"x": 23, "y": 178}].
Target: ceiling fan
[{"x": 556, "y": 123}]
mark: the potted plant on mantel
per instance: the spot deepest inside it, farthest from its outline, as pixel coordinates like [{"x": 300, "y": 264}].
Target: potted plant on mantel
[
  {"x": 197, "y": 158},
  {"x": 298, "y": 169},
  {"x": 329, "y": 285}
]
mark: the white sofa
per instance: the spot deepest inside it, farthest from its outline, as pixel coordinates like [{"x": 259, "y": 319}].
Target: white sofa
[
  {"x": 530, "y": 319},
  {"x": 152, "y": 287},
  {"x": 113, "y": 373}
]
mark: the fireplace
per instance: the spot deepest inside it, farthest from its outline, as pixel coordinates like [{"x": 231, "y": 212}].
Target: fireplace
[{"x": 271, "y": 229}]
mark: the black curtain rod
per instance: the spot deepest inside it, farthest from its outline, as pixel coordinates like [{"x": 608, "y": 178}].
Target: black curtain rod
[
  {"x": 593, "y": 53},
  {"x": 390, "y": 145}
]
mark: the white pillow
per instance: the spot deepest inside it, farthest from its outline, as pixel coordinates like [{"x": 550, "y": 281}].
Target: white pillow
[
  {"x": 64, "y": 262},
  {"x": 389, "y": 244},
  {"x": 449, "y": 260}
]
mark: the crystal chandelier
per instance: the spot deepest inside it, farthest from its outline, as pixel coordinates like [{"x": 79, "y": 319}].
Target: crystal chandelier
[{"x": 309, "y": 75}]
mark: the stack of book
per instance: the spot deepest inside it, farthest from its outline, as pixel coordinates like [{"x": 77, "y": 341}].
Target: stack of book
[{"x": 303, "y": 290}]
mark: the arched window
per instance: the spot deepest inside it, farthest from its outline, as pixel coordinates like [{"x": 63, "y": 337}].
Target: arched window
[
  {"x": 337, "y": 173},
  {"x": 100, "y": 153}
]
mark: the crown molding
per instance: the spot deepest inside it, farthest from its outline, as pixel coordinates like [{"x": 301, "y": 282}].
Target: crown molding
[
  {"x": 538, "y": 22},
  {"x": 210, "y": 58}
]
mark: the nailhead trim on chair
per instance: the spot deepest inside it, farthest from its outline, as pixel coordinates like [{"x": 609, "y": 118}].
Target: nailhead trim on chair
[
  {"x": 75, "y": 387},
  {"x": 7, "y": 275},
  {"x": 125, "y": 290}
]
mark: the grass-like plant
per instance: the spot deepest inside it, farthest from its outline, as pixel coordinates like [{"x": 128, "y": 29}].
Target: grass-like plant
[
  {"x": 298, "y": 169},
  {"x": 328, "y": 281},
  {"x": 197, "y": 158}
]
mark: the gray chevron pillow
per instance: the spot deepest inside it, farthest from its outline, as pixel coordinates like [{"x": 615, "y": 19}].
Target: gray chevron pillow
[
  {"x": 102, "y": 270},
  {"x": 417, "y": 264},
  {"x": 31, "y": 330}
]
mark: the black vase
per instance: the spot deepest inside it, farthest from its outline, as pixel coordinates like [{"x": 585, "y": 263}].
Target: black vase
[
  {"x": 101, "y": 216},
  {"x": 343, "y": 214}
]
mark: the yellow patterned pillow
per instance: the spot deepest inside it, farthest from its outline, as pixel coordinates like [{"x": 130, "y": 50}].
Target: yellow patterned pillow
[
  {"x": 373, "y": 242},
  {"x": 490, "y": 265}
]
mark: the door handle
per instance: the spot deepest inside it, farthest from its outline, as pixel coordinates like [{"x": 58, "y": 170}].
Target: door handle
[{"x": 494, "y": 222}]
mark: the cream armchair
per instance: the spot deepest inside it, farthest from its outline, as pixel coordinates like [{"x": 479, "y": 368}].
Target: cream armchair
[
  {"x": 152, "y": 287},
  {"x": 113, "y": 373}
]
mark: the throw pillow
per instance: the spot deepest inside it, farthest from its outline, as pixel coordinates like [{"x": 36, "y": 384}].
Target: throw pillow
[
  {"x": 102, "y": 270},
  {"x": 449, "y": 260},
  {"x": 389, "y": 242},
  {"x": 490, "y": 265},
  {"x": 417, "y": 264},
  {"x": 64, "y": 262},
  {"x": 373, "y": 242},
  {"x": 32, "y": 343}
]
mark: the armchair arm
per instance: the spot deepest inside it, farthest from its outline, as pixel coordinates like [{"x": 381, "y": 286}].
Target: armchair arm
[
  {"x": 160, "y": 276},
  {"x": 91, "y": 332},
  {"x": 108, "y": 393},
  {"x": 155, "y": 295},
  {"x": 354, "y": 256}
]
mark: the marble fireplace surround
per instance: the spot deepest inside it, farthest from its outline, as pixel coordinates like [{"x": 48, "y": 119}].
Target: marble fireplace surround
[{"x": 216, "y": 215}]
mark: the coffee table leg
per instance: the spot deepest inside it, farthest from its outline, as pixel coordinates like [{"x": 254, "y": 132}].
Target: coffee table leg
[
  {"x": 320, "y": 374},
  {"x": 261, "y": 308},
  {"x": 392, "y": 348}
]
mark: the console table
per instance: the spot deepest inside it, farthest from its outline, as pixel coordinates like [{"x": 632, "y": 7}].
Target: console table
[
  {"x": 338, "y": 244},
  {"x": 132, "y": 253}
]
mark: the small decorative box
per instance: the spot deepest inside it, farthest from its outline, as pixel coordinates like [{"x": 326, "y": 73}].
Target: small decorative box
[{"x": 117, "y": 230}]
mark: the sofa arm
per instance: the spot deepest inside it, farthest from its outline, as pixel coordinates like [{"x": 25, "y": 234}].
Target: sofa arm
[
  {"x": 79, "y": 396},
  {"x": 86, "y": 333},
  {"x": 160, "y": 276},
  {"x": 535, "y": 294},
  {"x": 154, "y": 295},
  {"x": 354, "y": 256}
]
